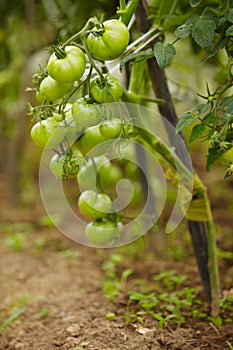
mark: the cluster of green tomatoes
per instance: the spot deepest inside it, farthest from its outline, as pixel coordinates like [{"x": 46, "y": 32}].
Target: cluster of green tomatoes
[{"x": 70, "y": 121}]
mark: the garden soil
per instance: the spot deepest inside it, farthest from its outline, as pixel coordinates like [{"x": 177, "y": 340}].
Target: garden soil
[{"x": 56, "y": 285}]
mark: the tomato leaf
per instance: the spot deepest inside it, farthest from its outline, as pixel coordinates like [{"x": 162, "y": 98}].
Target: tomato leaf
[
  {"x": 203, "y": 30},
  {"x": 221, "y": 43},
  {"x": 164, "y": 53},
  {"x": 196, "y": 131},
  {"x": 183, "y": 31},
  {"x": 185, "y": 120},
  {"x": 214, "y": 154},
  {"x": 138, "y": 56},
  {"x": 229, "y": 15},
  {"x": 229, "y": 31},
  {"x": 203, "y": 108},
  {"x": 195, "y": 3}
]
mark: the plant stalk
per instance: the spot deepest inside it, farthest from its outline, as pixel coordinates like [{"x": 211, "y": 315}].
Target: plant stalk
[{"x": 209, "y": 273}]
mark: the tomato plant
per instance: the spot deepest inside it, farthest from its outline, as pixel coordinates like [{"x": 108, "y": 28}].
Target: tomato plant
[
  {"x": 108, "y": 41},
  {"x": 94, "y": 205},
  {"x": 106, "y": 89},
  {"x": 67, "y": 65},
  {"x": 103, "y": 232},
  {"x": 73, "y": 99}
]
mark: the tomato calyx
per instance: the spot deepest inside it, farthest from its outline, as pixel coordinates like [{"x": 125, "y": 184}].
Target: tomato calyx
[{"x": 59, "y": 51}]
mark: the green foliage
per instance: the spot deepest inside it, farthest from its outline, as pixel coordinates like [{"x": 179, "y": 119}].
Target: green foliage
[
  {"x": 12, "y": 318},
  {"x": 16, "y": 234},
  {"x": 164, "y": 53},
  {"x": 213, "y": 122}
]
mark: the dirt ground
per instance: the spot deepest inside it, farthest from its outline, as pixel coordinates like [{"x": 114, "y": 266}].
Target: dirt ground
[{"x": 56, "y": 284}]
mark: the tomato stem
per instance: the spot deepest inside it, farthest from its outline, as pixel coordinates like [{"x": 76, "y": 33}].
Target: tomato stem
[
  {"x": 97, "y": 176},
  {"x": 88, "y": 26},
  {"x": 126, "y": 13}
]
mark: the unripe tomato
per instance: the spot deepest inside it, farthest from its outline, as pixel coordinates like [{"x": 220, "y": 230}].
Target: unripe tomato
[
  {"x": 51, "y": 90},
  {"x": 92, "y": 143},
  {"x": 85, "y": 114},
  {"x": 94, "y": 205},
  {"x": 229, "y": 154},
  {"x": 107, "y": 90},
  {"x": 72, "y": 129},
  {"x": 109, "y": 44},
  {"x": 131, "y": 170},
  {"x": 87, "y": 175},
  {"x": 69, "y": 68},
  {"x": 110, "y": 174},
  {"x": 111, "y": 129},
  {"x": 103, "y": 232},
  {"x": 47, "y": 131},
  {"x": 66, "y": 166}
]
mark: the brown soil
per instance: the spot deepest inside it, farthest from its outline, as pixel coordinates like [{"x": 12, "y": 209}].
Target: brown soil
[{"x": 65, "y": 305}]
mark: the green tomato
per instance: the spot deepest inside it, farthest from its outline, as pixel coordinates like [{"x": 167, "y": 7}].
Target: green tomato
[
  {"x": 110, "y": 174},
  {"x": 137, "y": 197},
  {"x": 66, "y": 166},
  {"x": 69, "y": 68},
  {"x": 111, "y": 129},
  {"x": 85, "y": 114},
  {"x": 106, "y": 90},
  {"x": 131, "y": 170},
  {"x": 94, "y": 205},
  {"x": 47, "y": 131},
  {"x": 229, "y": 154},
  {"x": 87, "y": 175},
  {"x": 109, "y": 43},
  {"x": 51, "y": 90},
  {"x": 103, "y": 232},
  {"x": 92, "y": 143}
]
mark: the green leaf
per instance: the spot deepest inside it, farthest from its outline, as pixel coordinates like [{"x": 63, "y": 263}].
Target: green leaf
[
  {"x": 229, "y": 31},
  {"x": 13, "y": 317},
  {"x": 221, "y": 43},
  {"x": 183, "y": 31},
  {"x": 203, "y": 108},
  {"x": 185, "y": 120},
  {"x": 202, "y": 31},
  {"x": 228, "y": 102},
  {"x": 139, "y": 56},
  {"x": 229, "y": 15},
  {"x": 195, "y": 3},
  {"x": 214, "y": 154},
  {"x": 164, "y": 53},
  {"x": 211, "y": 119},
  {"x": 196, "y": 131}
]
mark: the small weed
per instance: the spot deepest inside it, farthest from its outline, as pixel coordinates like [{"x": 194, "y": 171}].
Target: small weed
[
  {"x": 113, "y": 284},
  {"x": 43, "y": 313},
  {"x": 223, "y": 254},
  {"x": 68, "y": 253},
  {"x": 47, "y": 221},
  {"x": 40, "y": 244},
  {"x": 229, "y": 344},
  {"x": 170, "y": 279},
  {"x": 171, "y": 305},
  {"x": 13, "y": 317},
  {"x": 16, "y": 234},
  {"x": 82, "y": 347}
]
